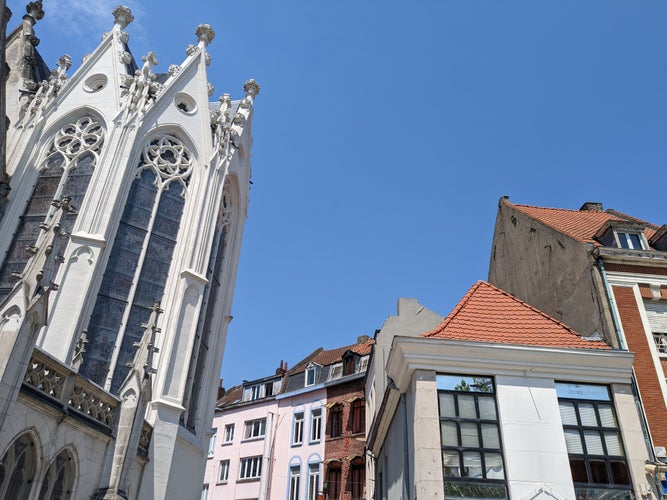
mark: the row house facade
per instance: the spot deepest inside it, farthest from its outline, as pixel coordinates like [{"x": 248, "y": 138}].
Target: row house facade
[
  {"x": 604, "y": 273},
  {"x": 296, "y": 435},
  {"x": 498, "y": 401}
]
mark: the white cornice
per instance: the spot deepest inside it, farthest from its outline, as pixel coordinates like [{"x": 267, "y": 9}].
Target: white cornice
[{"x": 584, "y": 365}]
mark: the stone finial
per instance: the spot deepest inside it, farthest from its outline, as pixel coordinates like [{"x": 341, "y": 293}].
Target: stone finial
[
  {"x": 8, "y": 15},
  {"x": 150, "y": 59},
  {"x": 210, "y": 88},
  {"x": 251, "y": 88},
  {"x": 205, "y": 34},
  {"x": 64, "y": 63},
  {"x": 34, "y": 10},
  {"x": 122, "y": 16}
]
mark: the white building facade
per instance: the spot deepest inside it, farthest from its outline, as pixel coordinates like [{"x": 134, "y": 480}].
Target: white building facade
[{"x": 128, "y": 198}]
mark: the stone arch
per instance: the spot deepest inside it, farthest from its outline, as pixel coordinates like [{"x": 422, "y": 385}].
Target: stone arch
[
  {"x": 60, "y": 476},
  {"x": 18, "y": 466}
]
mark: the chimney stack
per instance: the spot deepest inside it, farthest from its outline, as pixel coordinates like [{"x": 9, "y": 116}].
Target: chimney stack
[{"x": 591, "y": 206}]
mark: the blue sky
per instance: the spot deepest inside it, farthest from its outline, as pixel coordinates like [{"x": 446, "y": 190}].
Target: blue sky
[{"x": 385, "y": 133}]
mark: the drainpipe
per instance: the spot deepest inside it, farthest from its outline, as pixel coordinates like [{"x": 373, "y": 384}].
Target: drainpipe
[{"x": 624, "y": 346}]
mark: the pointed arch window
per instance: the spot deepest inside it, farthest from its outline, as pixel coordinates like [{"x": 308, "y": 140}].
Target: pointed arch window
[
  {"x": 17, "y": 469},
  {"x": 136, "y": 272},
  {"x": 65, "y": 171},
  {"x": 59, "y": 478},
  {"x": 211, "y": 296}
]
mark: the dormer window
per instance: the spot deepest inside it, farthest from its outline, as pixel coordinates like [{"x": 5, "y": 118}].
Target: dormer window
[
  {"x": 336, "y": 371},
  {"x": 629, "y": 240},
  {"x": 311, "y": 374}
]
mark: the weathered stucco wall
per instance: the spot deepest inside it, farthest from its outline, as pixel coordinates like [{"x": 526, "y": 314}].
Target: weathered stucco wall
[{"x": 550, "y": 271}]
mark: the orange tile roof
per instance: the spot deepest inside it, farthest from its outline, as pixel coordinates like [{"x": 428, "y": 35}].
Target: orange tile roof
[
  {"x": 334, "y": 355},
  {"x": 489, "y": 314},
  {"x": 578, "y": 224}
]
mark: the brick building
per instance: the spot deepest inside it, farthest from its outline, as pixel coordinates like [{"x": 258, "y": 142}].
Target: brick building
[{"x": 600, "y": 271}]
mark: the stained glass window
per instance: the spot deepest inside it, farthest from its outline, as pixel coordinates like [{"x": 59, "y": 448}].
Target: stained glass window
[
  {"x": 136, "y": 272},
  {"x": 66, "y": 171}
]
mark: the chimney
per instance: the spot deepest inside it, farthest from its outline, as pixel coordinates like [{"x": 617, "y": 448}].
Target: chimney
[
  {"x": 221, "y": 390},
  {"x": 282, "y": 368},
  {"x": 591, "y": 206},
  {"x": 362, "y": 338}
]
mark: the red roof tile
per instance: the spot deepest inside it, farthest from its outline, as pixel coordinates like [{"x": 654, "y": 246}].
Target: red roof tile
[
  {"x": 578, "y": 224},
  {"x": 489, "y": 314},
  {"x": 334, "y": 355}
]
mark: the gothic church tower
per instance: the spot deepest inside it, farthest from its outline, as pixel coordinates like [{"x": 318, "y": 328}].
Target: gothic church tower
[{"x": 129, "y": 192}]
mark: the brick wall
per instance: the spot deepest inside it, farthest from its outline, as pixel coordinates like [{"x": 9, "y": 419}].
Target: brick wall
[
  {"x": 647, "y": 377},
  {"x": 338, "y": 451}
]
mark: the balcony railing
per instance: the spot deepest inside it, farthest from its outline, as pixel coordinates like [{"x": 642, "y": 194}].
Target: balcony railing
[
  {"x": 49, "y": 379},
  {"x": 660, "y": 340}
]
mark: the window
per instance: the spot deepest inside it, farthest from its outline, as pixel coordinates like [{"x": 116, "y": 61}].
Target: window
[
  {"x": 593, "y": 439},
  {"x": 656, "y": 313},
  {"x": 310, "y": 376},
  {"x": 255, "y": 429},
  {"x": 204, "y": 492},
  {"x": 315, "y": 425},
  {"x": 336, "y": 421},
  {"x": 630, "y": 240},
  {"x": 349, "y": 364},
  {"x": 211, "y": 442},
  {"x": 229, "y": 433},
  {"x": 333, "y": 484},
  {"x": 297, "y": 429},
  {"x": 336, "y": 371},
  {"x": 294, "y": 482},
  {"x": 358, "y": 478},
  {"x": 358, "y": 417},
  {"x": 313, "y": 481},
  {"x": 59, "y": 478},
  {"x": 66, "y": 171},
  {"x": 471, "y": 449},
  {"x": 251, "y": 468},
  {"x": 18, "y": 468},
  {"x": 223, "y": 473},
  {"x": 139, "y": 261},
  {"x": 363, "y": 364}
]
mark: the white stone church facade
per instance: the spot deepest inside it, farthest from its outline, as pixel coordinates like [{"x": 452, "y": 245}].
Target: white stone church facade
[{"x": 120, "y": 243}]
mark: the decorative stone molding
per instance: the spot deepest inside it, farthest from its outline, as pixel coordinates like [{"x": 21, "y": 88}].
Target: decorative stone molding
[
  {"x": 210, "y": 88},
  {"x": 142, "y": 88},
  {"x": 52, "y": 380},
  {"x": 174, "y": 69},
  {"x": 79, "y": 350},
  {"x": 122, "y": 16},
  {"x": 205, "y": 34},
  {"x": 34, "y": 10},
  {"x": 124, "y": 36},
  {"x": 125, "y": 57},
  {"x": 191, "y": 50},
  {"x": 169, "y": 157},
  {"x": 207, "y": 59}
]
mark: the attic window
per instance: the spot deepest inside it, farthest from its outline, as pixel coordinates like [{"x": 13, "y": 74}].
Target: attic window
[
  {"x": 630, "y": 240},
  {"x": 336, "y": 371},
  {"x": 310, "y": 376}
]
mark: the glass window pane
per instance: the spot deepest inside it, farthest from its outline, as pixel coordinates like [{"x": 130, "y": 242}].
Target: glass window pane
[
  {"x": 593, "y": 443},
  {"x": 464, "y": 383},
  {"x": 447, "y": 408},
  {"x": 613, "y": 442},
  {"x": 573, "y": 441},
  {"x": 448, "y": 434},
  {"x": 587, "y": 414},
  {"x": 490, "y": 436},
  {"x": 607, "y": 418},
  {"x": 472, "y": 464},
  {"x": 451, "y": 464},
  {"x": 635, "y": 241},
  {"x": 487, "y": 408},
  {"x": 582, "y": 391},
  {"x": 620, "y": 473},
  {"x": 494, "y": 466},
  {"x": 599, "y": 471},
  {"x": 469, "y": 436},
  {"x": 467, "y": 406},
  {"x": 567, "y": 413},
  {"x": 578, "y": 469}
]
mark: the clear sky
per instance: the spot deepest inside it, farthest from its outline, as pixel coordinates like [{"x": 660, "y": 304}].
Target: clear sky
[{"x": 385, "y": 133}]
